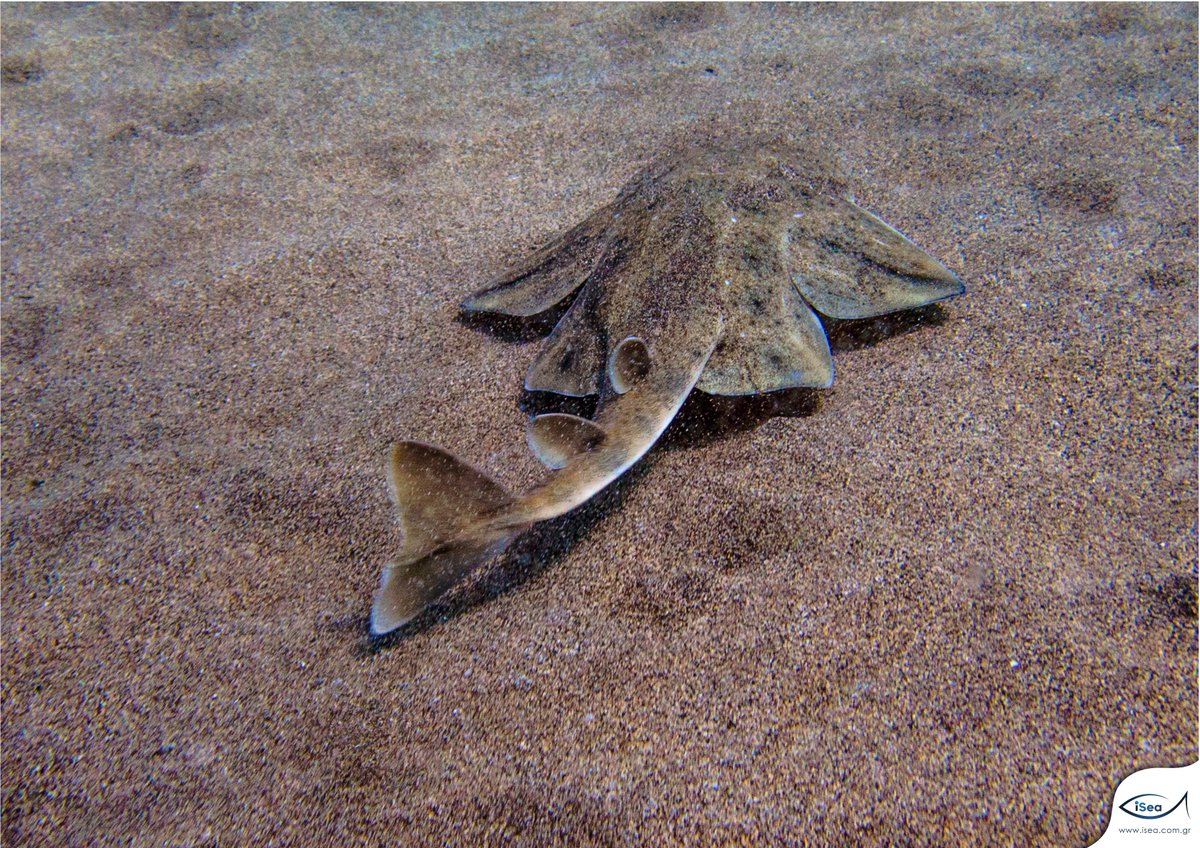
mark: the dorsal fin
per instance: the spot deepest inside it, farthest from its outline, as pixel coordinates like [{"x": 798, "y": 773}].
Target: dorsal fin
[
  {"x": 556, "y": 438},
  {"x": 629, "y": 364}
]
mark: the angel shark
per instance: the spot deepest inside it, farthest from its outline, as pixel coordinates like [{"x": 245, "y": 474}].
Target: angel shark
[{"x": 703, "y": 273}]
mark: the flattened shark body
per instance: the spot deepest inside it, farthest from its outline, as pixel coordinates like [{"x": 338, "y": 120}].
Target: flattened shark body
[{"x": 702, "y": 274}]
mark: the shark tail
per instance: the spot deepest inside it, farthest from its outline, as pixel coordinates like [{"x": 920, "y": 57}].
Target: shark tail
[{"x": 441, "y": 502}]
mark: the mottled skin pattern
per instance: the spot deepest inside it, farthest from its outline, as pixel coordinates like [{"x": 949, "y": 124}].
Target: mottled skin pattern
[{"x": 703, "y": 273}]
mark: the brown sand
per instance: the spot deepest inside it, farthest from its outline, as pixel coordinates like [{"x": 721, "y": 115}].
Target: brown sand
[{"x": 953, "y": 600}]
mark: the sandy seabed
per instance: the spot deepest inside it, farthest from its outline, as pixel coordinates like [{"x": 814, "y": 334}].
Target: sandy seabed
[{"x": 951, "y": 600}]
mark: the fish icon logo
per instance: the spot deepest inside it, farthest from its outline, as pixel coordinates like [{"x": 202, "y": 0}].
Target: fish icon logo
[{"x": 1150, "y": 805}]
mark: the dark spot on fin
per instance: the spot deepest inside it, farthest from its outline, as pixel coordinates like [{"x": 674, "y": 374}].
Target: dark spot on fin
[
  {"x": 629, "y": 364},
  {"x": 556, "y": 438},
  {"x": 573, "y": 357},
  {"x": 780, "y": 346}
]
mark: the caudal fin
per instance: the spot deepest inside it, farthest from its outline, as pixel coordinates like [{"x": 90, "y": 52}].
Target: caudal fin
[{"x": 438, "y": 498}]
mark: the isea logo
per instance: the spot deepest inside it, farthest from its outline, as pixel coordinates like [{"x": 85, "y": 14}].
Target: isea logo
[{"x": 1152, "y": 806}]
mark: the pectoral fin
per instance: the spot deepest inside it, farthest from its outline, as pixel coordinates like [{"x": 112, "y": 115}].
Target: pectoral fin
[
  {"x": 556, "y": 438},
  {"x": 553, "y": 273},
  {"x": 849, "y": 264}
]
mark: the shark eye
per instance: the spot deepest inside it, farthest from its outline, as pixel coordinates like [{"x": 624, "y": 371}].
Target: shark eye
[{"x": 629, "y": 364}]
